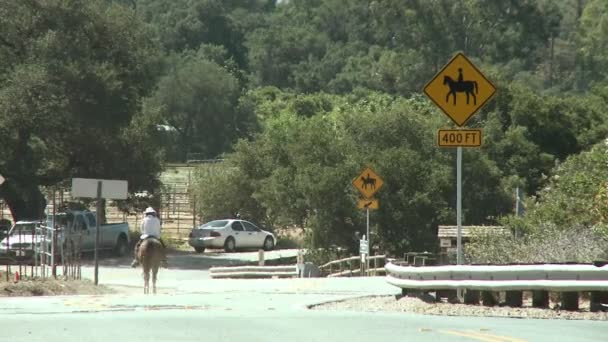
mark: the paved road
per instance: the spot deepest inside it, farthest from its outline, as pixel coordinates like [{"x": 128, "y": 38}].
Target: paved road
[
  {"x": 185, "y": 271},
  {"x": 256, "y": 313},
  {"x": 192, "y": 307}
]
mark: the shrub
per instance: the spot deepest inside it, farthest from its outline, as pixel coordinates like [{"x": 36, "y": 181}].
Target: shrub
[{"x": 546, "y": 244}]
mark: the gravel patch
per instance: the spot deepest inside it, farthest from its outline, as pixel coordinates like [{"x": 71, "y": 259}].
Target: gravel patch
[{"x": 428, "y": 307}]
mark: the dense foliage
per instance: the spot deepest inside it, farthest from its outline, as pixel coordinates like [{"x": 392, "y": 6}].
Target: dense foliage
[
  {"x": 298, "y": 96},
  {"x": 72, "y": 74}
]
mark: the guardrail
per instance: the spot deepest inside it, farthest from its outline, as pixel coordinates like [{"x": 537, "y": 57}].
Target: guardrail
[
  {"x": 514, "y": 277},
  {"x": 566, "y": 278},
  {"x": 254, "y": 272},
  {"x": 352, "y": 266}
]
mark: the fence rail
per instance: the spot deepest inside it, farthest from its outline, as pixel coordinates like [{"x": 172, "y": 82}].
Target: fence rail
[
  {"x": 353, "y": 266},
  {"x": 43, "y": 253}
]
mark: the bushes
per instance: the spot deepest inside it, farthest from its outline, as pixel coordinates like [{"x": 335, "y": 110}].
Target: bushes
[{"x": 546, "y": 244}]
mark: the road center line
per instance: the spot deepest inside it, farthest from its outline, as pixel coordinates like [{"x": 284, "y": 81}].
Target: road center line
[{"x": 481, "y": 337}]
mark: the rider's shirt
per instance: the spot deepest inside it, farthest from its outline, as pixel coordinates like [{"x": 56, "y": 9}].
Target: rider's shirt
[{"x": 151, "y": 226}]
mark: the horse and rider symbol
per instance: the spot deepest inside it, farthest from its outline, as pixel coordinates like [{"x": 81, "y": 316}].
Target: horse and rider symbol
[
  {"x": 368, "y": 181},
  {"x": 460, "y": 86}
]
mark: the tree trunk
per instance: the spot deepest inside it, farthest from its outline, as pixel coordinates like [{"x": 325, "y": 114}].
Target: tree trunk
[{"x": 26, "y": 202}]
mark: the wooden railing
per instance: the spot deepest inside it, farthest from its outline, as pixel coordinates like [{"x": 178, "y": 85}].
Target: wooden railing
[{"x": 353, "y": 267}]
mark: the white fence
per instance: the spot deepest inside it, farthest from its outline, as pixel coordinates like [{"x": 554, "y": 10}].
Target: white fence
[
  {"x": 254, "y": 272},
  {"x": 548, "y": 277},
  {"x": 352, "y": 266}
]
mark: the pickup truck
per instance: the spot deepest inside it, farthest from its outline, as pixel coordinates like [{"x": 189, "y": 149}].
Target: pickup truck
[
  {"x": 75, "y": 227},
  {"x": 17, "y": 243}
]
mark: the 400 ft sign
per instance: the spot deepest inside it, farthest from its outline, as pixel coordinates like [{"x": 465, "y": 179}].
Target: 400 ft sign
[{"x": 459, "y": 138}]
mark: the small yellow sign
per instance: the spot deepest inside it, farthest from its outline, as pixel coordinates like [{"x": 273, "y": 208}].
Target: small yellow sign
[
  {"x": 368, "y": 204},
  {"x": 459, "y": 138},
  {"x": 459, "y": 89},
  {"x": 368, "y": 182}
]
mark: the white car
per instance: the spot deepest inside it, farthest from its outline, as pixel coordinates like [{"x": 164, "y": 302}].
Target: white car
[{"x": 230, "y": 235}]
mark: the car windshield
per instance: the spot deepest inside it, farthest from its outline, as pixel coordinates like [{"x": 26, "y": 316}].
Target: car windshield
[
  {"x": 215, "y": 224},
  {"x": 23, "y": 228}
]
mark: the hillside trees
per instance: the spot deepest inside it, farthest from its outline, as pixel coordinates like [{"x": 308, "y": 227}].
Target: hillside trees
[
  {"x": 72, "y": 74},
  {"x": 299, "y": 168},
  {"x": 200, "y": 100}
]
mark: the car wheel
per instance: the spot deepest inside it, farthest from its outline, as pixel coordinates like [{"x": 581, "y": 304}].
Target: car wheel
[
  {"x": 199, "y": 249},
  {"x": 121, "y": 246},
  {"x": 229, "y": 245},
  {"x": 268, "y": 244}
]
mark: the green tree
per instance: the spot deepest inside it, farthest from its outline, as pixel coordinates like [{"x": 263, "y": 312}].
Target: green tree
[
  {"x": 200, "y": 100},
  {"x": 72, "y": 76}
]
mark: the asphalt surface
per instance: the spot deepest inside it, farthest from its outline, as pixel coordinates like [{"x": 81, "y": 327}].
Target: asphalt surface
[{"x": 192, "y": 307}]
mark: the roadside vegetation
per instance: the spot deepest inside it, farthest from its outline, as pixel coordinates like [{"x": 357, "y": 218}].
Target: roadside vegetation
[
  {"x": 567, "y": 222},
  {"x": 298, "y": 96},
  {"x": 26, "y": 287}
]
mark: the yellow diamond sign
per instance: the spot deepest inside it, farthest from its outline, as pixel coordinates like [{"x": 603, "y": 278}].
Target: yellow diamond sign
[
  {"x": 459, "y": 89},
  {"x": 368, "y": 182}
]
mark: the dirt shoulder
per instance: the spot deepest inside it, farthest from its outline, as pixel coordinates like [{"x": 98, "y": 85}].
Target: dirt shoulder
[
  {"x": 48, "y": 287},
  {"x": 418, "y": 305}
]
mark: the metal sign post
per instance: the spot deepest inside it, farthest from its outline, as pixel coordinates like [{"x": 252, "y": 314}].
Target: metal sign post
[
  {"x": 459, "y": 205},
  {"x": 368, "y": 244},
  {"x": 459, "y": 76},
  {"x": 364, "y": 252},
  {"x": 97, "y": 232},
  {"x": 98, "y": 189},
  {"x": 368, "y": 183}
]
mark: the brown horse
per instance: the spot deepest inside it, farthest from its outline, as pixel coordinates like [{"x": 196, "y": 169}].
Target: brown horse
[{"x": 150, "y": 255}]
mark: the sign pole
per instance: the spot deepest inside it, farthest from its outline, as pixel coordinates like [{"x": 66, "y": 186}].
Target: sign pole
[
  {"x": 459, "y": 212},
  {"x": 54, "y": 239},
  {"x": 97, "y": 232},
  {"x": 369, "y": 246},
  {"x": 459, "y": 205}
]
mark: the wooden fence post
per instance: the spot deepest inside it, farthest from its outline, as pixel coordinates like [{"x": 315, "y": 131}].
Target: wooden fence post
[
  {"x": 488, "y": 299},
  {"x": 570, "y": 301},
  {"x": 597, "y": 298},
  {"x": 540, "y": 299},
  {"x": 471, "y": 297},
  {"x": 514, "y": 298}
]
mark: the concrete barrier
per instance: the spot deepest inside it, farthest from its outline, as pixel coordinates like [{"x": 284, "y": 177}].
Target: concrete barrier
[{"x": 254, "y": 272}]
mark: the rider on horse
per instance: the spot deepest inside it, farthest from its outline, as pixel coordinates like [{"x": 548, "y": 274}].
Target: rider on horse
[{"x": 150, "y": 228}]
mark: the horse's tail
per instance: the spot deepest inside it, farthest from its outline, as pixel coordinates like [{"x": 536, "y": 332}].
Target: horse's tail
[{"x": 476, "y": 88}]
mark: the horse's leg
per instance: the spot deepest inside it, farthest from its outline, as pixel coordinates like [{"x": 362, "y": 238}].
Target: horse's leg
[
  {"x": 467, "y": 92},
  {"x": 447, "y": 97},
  {"x": 474, "y": 98},
  {"x": 146, "y": 280},
  {"x": 154, "y": 273}
]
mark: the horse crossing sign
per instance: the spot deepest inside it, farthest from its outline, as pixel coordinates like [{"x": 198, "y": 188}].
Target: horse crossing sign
[
  {"x": 459, "y": 89},
  {"x": 368, "y": 183}
]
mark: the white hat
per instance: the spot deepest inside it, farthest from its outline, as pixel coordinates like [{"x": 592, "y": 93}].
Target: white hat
[{"x": 150, "y": 210}]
